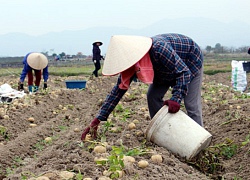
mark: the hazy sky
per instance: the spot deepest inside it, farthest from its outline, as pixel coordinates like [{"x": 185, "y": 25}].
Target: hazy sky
[{"x": 36, "y": 17}]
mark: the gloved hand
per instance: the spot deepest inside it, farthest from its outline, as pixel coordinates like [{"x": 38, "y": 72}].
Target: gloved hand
[
  {"x": 94, "y": 61},
  {"x": 20, "y": 86},
  {"x": 173, "y": 107},
  {"x": 92, "y": 129},
  {"x": 45, "y": 85},
  {"x": 36, "y": 88}
]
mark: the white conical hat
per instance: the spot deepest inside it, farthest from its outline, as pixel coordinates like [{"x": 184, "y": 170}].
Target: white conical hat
[
  {"x": 123, "y": 52},
  {"x": 37, "y": 61}
]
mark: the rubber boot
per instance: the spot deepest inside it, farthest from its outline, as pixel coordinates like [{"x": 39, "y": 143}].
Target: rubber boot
[{"x": 30, "y": 88}]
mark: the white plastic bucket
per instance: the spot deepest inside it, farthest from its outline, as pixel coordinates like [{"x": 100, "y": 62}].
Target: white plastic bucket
[{"x": 178, "y": 133}]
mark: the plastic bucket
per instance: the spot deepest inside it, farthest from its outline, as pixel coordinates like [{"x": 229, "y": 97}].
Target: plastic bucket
[{"x": 178, "y": 133}]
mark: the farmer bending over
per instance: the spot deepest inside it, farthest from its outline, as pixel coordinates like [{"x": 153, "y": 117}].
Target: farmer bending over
[
  {"x": 163, "y": 61},
  {"x": 38, "y": 63}
]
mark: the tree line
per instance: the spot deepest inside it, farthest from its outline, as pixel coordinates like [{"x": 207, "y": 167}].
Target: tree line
[{"x": 219, "y": 49}]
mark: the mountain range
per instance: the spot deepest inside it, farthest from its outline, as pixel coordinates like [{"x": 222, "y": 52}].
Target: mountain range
[{"x": 203, "y": 30}]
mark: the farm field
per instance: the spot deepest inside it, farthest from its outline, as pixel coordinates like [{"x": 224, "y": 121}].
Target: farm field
[{"x": 61, "y": 114}]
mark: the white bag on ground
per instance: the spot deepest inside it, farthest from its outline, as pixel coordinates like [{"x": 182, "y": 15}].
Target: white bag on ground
[
  {"x": 7, "y": 94},
  {"x": 239, "y": 76}
]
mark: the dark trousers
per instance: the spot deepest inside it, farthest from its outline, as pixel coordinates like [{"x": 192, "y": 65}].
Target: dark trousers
[
  {"x": 97, "y": 67},
  {"x": 38, "y": 74},
  {"x": 192, "y": 100}
]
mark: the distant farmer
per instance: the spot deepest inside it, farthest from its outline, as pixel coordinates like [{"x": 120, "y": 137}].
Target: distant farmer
[
  {"x": 38, "y": 63},
  {"x": 162, "y": 61},
  {"x": 97, "y": 57},
  {"x": 249, "y": 51}
]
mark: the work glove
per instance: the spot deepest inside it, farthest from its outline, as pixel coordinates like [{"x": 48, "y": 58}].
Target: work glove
[
  {"x": 45, "y": 85},
  {"x": 36, "y": 88},
  {"x": 20, "y": 86},
  {"x": 94, "y": 61},
  {"x": 173, "y": 107},
  {"x": 91, "y": 129}
]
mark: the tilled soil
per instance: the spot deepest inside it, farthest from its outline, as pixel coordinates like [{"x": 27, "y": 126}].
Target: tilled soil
[{"x": 62, "y": 114}]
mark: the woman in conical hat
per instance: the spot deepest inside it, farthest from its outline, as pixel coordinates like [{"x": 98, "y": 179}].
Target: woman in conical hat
[
  {"x": 162, "y": 61},
  {"x": 38, "y": 63},
  {"x": 97, "y": 57}
]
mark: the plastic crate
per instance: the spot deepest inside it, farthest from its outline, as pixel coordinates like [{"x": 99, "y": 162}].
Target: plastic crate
[{"x": 76, "y": 84}]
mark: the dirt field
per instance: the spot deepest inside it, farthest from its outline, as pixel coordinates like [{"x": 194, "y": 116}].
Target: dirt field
[{"x": 62, "y": 114}]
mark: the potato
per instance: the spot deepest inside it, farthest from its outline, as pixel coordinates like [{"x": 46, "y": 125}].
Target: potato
[
  {"x": 131, "y": 126},
  {"x": 99, "y": 149},
  {"x": 136, "y": 121},
  {"x": 33, "y": 125},
  {"x": 66, "y": 175},
  {"x": 238, "y": 107},
  {"x": 42, "y": 178},
  {"x": 104, "y": 178},
  {"x": 31, "y": 119},
  {"x": 129, "y": 159},
  {"x": 88, "y": 137},
  {"x": 76, "y": 130},
  {"x": 106, "y": 173},
  {"x": 142, "y": 163},
  {"x": 60, "y": 106},
  {"x": 156, "y": 158},
  {"x": 87, "y": 179},
  {"x": 48, "y": 139},
  {"x": 6, "y": 117}
]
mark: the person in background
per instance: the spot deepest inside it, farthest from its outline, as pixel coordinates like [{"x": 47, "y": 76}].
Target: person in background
[
  {"x": 163, "y": 61},
  {"x": 249, "y": 51},
  {"x": 38, "y": 63},
  {"x": 97, "y": 57}
]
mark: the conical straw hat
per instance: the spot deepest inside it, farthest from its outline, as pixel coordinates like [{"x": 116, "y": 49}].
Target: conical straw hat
[
  {"x": 97, "y": 41},
  {"x": 37, "y": 61},
  {"x": 123, "y": 52}
]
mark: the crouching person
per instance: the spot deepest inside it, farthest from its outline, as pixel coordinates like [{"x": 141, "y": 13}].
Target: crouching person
[{"x": 37, "y": 63}]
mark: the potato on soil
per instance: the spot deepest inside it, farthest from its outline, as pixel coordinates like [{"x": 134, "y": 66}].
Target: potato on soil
[
  {"x": 31, "y": 119},
  {"x": 42, "y": 178},
  {"x": 129, "y": 159},
  {"x": 66, "y": 175},
  {"x": 6, "y": 117},
  {"x": 156, "y": 158},
  {"x": 131, "y": 126},
  {"x": 104, "y": 178},
  {"x": 76, "y": 130},
  {"x": 99, "y": 149},
  {"x": 88, "y": 137},
  {"x": 143, "y": 164},
  {"x": 48, "y": 139},
  {"x": 136, "y": 121},
  {"x": 33, "y": 125}
]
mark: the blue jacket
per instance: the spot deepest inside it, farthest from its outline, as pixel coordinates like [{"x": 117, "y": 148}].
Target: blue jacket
[{"x": 27, "y": 68}]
